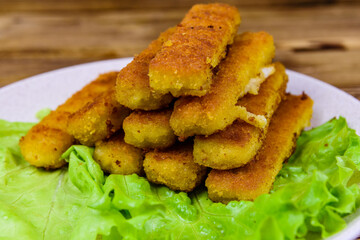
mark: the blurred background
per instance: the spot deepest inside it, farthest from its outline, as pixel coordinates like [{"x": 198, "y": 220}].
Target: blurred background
[{"x": 320, "y": 38}]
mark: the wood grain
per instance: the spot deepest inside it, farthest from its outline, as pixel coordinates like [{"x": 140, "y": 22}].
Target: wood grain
[
  {"x": 89, "y": 5},
  {"x": 318, "y": 38}
]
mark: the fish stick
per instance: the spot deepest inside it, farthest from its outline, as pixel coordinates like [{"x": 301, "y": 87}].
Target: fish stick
[
  {"x": 149, "y": 129},
  {"x": 102, "y": 83},
  {"x": 132, "y": 84},
  {"x": 257, "y": 177},
  {"x": 116, "y": 156},
  {"x": 45, "y": 142},
  {"x": 174, "y": 167},
  {"x": 249, "y": 57},
  {"x": 184, "y": 64},
  {"x": 98, "y": 119},
  {"x": 239, "y": 142}
]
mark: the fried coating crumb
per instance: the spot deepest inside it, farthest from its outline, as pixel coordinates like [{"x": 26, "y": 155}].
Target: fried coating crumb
[
  {"x": 257, "y": 177},
  {"x": 239, "y": 142},
  {"x": 232, "y": 147},
  {"x": 149, "y": 129},
  {"x": 45, "y": 142},
  {"x": 174, "y": 167},
  {"x": 43, "y": 146},
  {"x": 132, "y": 84},
  {"x": 97, "y": 120},
  {"x": 117, "y": 157},
  {"x": 185, "y": 62},
  {"x": 205, "y": 115}
]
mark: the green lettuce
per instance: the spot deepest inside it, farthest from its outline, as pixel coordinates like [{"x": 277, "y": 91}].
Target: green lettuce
[{"x": 312, "y": 194}]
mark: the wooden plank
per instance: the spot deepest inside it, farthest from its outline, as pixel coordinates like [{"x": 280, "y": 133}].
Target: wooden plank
[
  {"x": 76, "y": 5},
  {"x": 354, "y": 91},
  {"x": 323, "y": 42},
  {"x": 132, "y": 30},
  {"x": 339, "y": 68},
  {"x": 124, "y": 33}
]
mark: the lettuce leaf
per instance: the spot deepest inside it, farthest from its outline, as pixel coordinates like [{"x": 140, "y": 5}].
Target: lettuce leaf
[
  {"x": 316, "y": 188},
  {"x": 39, "y": 204}
]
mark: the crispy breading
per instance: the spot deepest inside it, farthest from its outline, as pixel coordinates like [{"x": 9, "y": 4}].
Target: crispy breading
[
  {"x": 132, "y": 84},
  {"x": 174, "y": 167},
  {"x": 266, "y": 101},
  {"x": 98, "y": 119},
  {"x": 257, "y": 177},
  {"x": 116, "y": 156},
  {"x": 259, "y": 120},
  {"x": 249, "y": 54},
  {"x": 149, "y": 129},
  {"x": 43, "y": 145},
  {"x": 56, "y": 119},
  {"x": 185, "y": 62},
  {"x": 102, "y": 83},
  {"x": 239, "y": 142}
]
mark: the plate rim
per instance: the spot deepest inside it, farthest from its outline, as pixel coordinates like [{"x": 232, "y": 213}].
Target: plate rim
[{"x": 128, "y": 59}]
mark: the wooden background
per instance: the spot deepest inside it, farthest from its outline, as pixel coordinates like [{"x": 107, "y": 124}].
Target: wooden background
[{"x": 320, "y": 38}]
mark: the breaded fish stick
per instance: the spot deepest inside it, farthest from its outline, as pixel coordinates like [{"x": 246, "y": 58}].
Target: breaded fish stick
[
  {"x": 43, "y": 145},
  {"x": 174, "y": 167},
  {"x": 98, "y": 119},
  {"x": 132, "y": 84},
  {"x": 102, "y": 83},
  {"x": 149, "y": 129},
  {"x": 116, "y": 156},
  {"x": 239, "y": 142},
  {"x": 185, "y": 62},
  {"x": 257, "y": 177},
  {"x": 250, "y": 54}
]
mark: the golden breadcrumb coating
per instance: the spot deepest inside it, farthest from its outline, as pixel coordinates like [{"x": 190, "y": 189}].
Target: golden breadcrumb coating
[
  {"x": 97, "y": 120},
  {"x": 102, "y": 83},
  {"x": 247, "y": 56},
  {"x": 45, "y": 142},
  {"x": 239, "y": 142},
  {"x": 149, "y": 129},
  {"x": 184, "y": 64},
  {"x": 174, "y": 167},
  {"x": 117, "y": 157},
  {"x": 43, "y": 146},
  {"x": 132, "y": 84},
  {"x": 258, "y": 120},
  {"x": 257, "y": 177}
]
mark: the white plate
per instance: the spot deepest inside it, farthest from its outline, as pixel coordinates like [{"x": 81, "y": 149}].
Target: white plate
[{"x": 21, "y": 100}]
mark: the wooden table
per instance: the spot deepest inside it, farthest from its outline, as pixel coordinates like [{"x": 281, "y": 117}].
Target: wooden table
[{"x": 319, "y": 38}]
